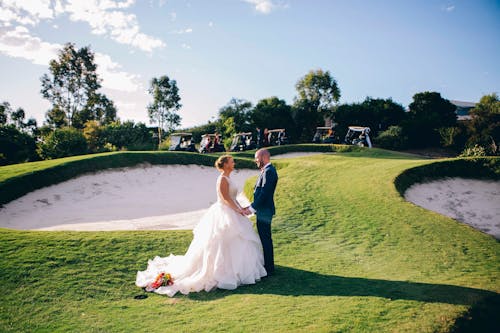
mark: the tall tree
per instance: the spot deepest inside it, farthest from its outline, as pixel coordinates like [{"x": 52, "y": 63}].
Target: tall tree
[
  {"x": 72, "y": 81},
  {"x": 318, "y": 94},
  {"x": 166, "y": 102},
  {"x": 98, "y": 108},
  {"x": 428, "y": 112},
  {"x": 239, "y": 110},
  {"x": 5, "y": 111},
  {"x": 17, "y": 118},
  {"x": 17, "y": 136}
]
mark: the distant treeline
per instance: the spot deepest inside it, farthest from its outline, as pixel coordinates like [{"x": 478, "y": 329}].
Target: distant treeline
[{"x": 83, "y": 120}]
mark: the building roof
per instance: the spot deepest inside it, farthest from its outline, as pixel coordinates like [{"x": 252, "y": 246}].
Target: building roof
[{"x": 463, "y": 104}]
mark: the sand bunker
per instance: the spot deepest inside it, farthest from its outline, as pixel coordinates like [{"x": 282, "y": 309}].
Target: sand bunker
[
  {"x": 137, "y": 198},
  {"x": 176, "y": 196},
  {"x": 474, "y": 202},
  {"x": 147, "y": 197}
]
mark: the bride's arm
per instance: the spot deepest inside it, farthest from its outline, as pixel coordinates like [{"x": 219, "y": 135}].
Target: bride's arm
[{"x": 224, "y": 191}]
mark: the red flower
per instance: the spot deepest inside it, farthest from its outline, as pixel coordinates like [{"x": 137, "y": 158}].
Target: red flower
[{"x": 161, "y": 280}]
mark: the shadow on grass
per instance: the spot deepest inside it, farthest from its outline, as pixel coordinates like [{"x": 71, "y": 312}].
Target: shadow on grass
[
  {"x": 482, "y": 314},
  {"x": 295, "y": 282}
]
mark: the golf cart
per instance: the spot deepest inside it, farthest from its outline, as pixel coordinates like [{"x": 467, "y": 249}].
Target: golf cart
[
  {"x": 277, "y": 137},
  {"x": 325, "y": 134},
  {"x": 211, "y": 143},
  {"x": 181, "y": 142},
  {"x": 242, "y": 141},
  {"x": 359, "y": 136}
]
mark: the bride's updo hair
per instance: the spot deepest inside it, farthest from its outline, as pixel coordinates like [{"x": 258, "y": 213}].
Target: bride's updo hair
[{"x": 219, "y": 164}]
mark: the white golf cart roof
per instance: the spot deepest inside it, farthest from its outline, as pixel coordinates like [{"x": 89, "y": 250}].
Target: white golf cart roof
[
  {"x": 210, "y": 135},
  {"x": 181, "y": 134},
  {"x": 276, "y": 130},
  {"x": 323, "y": 128},
  {"x": 240, "y": 134},
  {"x": 359, "y": 128}
]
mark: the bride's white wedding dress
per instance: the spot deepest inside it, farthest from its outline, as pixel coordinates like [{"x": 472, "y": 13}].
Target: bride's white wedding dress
[{"x": 225, "y": 253}]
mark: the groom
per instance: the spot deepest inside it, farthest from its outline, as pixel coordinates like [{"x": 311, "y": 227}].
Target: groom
[{"x": 263, "y": 204}]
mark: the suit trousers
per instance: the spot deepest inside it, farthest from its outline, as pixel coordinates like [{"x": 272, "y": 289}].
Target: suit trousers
[{"x": 264, "y": 229}]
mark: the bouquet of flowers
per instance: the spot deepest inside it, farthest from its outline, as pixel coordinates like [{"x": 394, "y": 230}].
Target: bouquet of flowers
[{"x": 163, "y": 279}]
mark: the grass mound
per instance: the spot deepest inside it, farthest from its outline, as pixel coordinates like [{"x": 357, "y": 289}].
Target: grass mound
[{"x": 351, "y": 255}]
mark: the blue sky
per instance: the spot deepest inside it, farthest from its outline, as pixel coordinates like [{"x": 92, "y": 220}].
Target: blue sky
[{"x": 254, "y": 49}]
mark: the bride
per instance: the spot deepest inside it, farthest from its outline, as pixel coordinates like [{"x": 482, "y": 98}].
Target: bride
[{"x": 225, "y": 251}]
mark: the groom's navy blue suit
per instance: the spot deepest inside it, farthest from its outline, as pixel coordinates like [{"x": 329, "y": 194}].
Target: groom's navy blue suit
[{"x": 263, "y": 204}]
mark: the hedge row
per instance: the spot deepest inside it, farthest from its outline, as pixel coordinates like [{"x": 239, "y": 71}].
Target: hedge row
[
  {"x": 15, "y": 187},
  {"x": 476, "y": 168},
  {"x": 319, "y": 148},
  {"x": 19, "y": 185}
]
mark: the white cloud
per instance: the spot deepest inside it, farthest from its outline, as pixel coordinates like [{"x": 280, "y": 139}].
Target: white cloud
[
  {"x": 118, "y": 25},
  {"x": 173, "y": 16},
  {"x": 265, "y": 6},
  {"x": 29, "y": 10},
  {"x": 186, "y": 46},
  {"x": 449, "y": 8},
  {"x": 184, "y": 31},
  {"x": 19, "y": 43},
  {"x": 105, "y": 17},
  {"x": 113, "y": 77}
]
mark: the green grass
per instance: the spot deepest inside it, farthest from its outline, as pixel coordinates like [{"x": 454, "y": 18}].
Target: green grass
[{"x": 351, "y": 255}]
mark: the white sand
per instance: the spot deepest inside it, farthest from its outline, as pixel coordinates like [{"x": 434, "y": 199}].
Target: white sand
[
  {"x": 146, "y": 197},
  {"x": 474, "y": 202},
  {"x": 139, "y": 198},
  {"x": 175, "y": 197}
]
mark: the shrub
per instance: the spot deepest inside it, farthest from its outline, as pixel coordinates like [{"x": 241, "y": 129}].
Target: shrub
[
  {"x": 476, "y": 151},
  {"x": 165, "y": 144},
  {"x": 128, "y": 136},
  {"x": 16, "y": 146},
  {"x": 392, "y": 138},
  {"x": 63, "y": 142},
  {"x": 93, "y": 134}
]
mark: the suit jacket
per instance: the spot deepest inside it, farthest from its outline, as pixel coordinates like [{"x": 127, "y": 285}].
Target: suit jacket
[{"x": 263, "y": 195}]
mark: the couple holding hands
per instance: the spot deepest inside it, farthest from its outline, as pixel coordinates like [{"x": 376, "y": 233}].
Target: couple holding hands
[{"x": 225, "y": 251}]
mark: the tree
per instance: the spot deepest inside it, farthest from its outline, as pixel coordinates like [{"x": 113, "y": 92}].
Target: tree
[
  {"x": 350, "y": 114},
  {"x": 16, "y": 146},
  {"x": 385, "y": 112},
  {"x": 72, "y": 83},
  {"x": 239, "y": 110},
  {"x": 166, "y": 102},
  {"x": 484, "y": 127},
  {"x": 318, "y": 94},
  {"x": 17, "y": 136},
  {"x": 378, "y": 114},
  {"x": 99, "y": 108},
  {"x": 428, "y": 112},
  {"x": 56, "y": 118},
  {"x": 273, "y": 112},
  {"x": 127, "y": 135},
  {"x": 5, "y": 111},
  {"x": 93, "y": 135}
]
